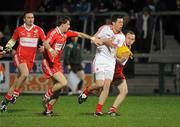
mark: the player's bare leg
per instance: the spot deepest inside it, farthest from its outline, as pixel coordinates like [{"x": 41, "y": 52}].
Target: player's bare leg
[
  {"x": 50, "y": 104},
  {"x": 81, "y": 76},
  {"x": 103, "y": 96},
  {"x": 14, "y": 91},
  {"x": 123, "y": 91},
  {"x": 51, "y": 94}
]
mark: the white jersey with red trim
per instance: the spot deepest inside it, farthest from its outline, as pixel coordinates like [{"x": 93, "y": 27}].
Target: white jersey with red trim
[
  {"x": 104, "y": 61},
  {"x": 107, "y": 32}
]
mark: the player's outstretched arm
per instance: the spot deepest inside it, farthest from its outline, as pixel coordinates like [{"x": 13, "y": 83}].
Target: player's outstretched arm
[
  {"x": 1, "y": 54},
  {"x": 93, "y": 39}
]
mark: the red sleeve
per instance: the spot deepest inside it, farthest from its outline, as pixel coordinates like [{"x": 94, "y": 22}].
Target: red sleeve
[
  {"x": 42, "y": 35},
  {"x": 16, "y": 34},
  {"x": 51, "y": 36},
  {"x": 71, "y": 33}
]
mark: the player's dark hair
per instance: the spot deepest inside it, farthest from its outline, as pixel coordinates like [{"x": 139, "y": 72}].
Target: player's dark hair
[
  {"x": 26, "y": 12},
  {"x": 63, "y": 20},
  {"x": 114, "y": 18}
]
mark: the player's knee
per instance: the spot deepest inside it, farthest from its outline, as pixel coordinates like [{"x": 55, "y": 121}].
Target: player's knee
[
  {"x": 124, "y": 92},
  {"x": 64, "y": 83},
  {"x": 24, "y": 75},
  {"x": 100, "y": 85}
]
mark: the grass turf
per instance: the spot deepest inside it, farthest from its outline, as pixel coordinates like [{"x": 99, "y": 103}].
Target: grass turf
[{"x": 136, "y": 111}]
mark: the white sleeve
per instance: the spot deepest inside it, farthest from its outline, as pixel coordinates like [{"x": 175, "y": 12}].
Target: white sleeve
[
  {"x": 122, "y": 40},
  {"x": 101, "y": 32}
]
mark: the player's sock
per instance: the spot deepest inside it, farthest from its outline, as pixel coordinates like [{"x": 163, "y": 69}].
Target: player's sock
[
  {"x": 16, "y": 92},
  {"x": 99, "y": 108},
  {"x": 49, "y": 93},
  {"x": 49, "y": 107},
  {"x": 86, "y": 91},
  {"x": 8, "y": 97},
  {"x": 112, "y": 109}
]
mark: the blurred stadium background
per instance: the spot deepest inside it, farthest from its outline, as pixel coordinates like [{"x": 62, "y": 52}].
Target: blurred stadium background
[{"x": 155, "y": 69}]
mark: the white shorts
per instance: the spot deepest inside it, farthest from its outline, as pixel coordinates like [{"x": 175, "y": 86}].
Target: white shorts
[
  {"x": 103, "y": 68},
  {"x": 102, "y": 75}
]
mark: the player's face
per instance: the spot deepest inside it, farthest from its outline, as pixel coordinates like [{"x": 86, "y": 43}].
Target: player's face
[
  {"x": 66, "y": 26},
  {"x": 118, "y": 24},
  {"x": 130, "y": 39},
  {"x": 29, "y": 19}
]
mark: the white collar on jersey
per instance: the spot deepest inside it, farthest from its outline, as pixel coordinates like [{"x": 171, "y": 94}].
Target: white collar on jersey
[
  {"x": 59, "y": 31},
  {"x": 28, "y": 29}
]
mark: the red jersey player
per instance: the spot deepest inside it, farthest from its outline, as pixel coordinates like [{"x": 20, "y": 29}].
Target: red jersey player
[
  {"x": 52, "y": 68},
  {"x": 119, "y": 77},
  {"x": 27, "y": 36}
]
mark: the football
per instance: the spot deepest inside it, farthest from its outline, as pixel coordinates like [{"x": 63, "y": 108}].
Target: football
[{"x": 123, "y": 51}]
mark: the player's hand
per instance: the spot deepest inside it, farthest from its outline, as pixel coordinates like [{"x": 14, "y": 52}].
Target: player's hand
[
  {"x": 97, "y": 41},
  {"x": 41, "y": 48},
  {"x": 2, "y": 53},
  {"x": 121, "y": 60},
  {"x": 8, "y": 49},
  {"x": 108, "y": 42},
  {"x": 53, "y": 52}
]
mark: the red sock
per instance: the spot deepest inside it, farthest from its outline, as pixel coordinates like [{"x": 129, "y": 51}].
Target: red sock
[
  {"x": 112, "y": 109},
  {"x": 86, "y": 91},
  {"x": 49, "y": 107},
  {"x": 49, "y": 93},
  {"x": 99, "y": 108},
  {"x": 8, "y": 97},
  {"x": 16, "y": 92}
]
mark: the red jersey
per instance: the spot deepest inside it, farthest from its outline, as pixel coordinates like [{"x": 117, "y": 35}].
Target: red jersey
[
  {"x": 57, "y": 41},
  {"x": 118, "y": 73},
  {"x": 28, "y": 41}
]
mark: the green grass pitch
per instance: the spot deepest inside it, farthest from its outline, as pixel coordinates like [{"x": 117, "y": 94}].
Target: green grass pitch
[{"x": 136, "y": 111}]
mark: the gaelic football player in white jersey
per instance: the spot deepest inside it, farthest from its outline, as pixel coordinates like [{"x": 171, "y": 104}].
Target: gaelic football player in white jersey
[{"x": 104, "y": 61}]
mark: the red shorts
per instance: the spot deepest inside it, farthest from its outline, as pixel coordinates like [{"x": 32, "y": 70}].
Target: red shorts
[
  {"x": 19, "y": 59},
  {"x": 118, "y": 73},
  {"x": 50, "y": 70}
]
